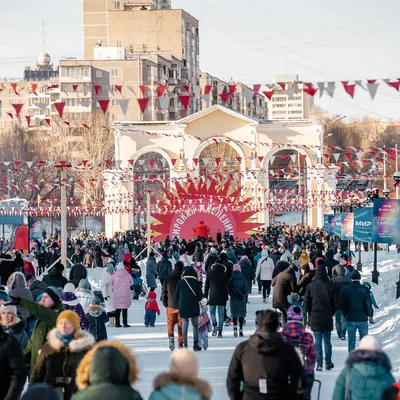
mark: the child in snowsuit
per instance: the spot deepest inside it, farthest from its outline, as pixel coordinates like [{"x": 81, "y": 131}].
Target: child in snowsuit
[
  {"x": 204, "y": 325},
  {"x": 97, "y": 318},
  {"x": 151, "y": 308},
  {"x": 368, "y": 285}
]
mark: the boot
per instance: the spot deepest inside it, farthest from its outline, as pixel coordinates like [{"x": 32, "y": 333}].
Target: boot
[
  {"x": 196, "y": 347},
  {"x": 319, "y": 367},
  {"x": 111, "y": 323},
  {"x": 214, "y": 332},
  {"x": 220, "y": 333},
  {"x": 171, "y": 343},
  {"x": 329, "y": 366},
  {"x": 235, "y": 331},
  {"x": 371, "y": 320},
  {"x": 241, "y": 332}
]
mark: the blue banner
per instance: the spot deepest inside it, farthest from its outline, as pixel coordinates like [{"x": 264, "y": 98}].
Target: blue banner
[
  {"x": 338, "y": 224},
  {"x": 329, "y": 224},
  {"x": 386, "y": 221},
  {"x": 363, "y": 224}
]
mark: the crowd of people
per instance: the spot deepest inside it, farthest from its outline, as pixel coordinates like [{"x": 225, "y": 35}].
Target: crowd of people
[{"x": 54, "y": 328}]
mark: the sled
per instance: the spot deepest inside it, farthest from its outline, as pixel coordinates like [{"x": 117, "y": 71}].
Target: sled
[{"x": 319, "y": 388}]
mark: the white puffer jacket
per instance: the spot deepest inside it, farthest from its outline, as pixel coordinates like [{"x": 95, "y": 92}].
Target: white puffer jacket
[{"x": 265, "y": 266}]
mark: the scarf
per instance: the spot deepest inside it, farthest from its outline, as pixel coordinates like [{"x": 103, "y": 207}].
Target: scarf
[{"x": 66, "y": 339}]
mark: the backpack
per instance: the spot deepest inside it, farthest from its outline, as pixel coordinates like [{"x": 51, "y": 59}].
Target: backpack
[{"x": 302, "y": 355}]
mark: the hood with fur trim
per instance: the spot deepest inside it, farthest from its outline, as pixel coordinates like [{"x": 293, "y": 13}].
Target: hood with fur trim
[
  {"x": 168, "y": 382},
  {"x": 95, "y": 310},
  {"x": 82, "y": 340},
  {"x": 16, "y": 279}
]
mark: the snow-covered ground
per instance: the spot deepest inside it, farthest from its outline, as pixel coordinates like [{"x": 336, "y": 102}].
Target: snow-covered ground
[{"x": 151, "y": 344}]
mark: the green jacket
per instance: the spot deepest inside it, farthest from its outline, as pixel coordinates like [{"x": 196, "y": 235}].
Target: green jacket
[
  {"x": 369, "y": 376},
  {"x": 46, "y": 321}
]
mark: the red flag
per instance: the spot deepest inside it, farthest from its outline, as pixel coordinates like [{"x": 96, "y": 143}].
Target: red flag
[
  {"x": 232, "y": 89},
  {"x": 14, "y": 86},
  {"x": 28, "y": 120},
  {"x": 282, "y": 85},
  {"x": 119, "y": 88},
  {"x": 86, "y": 126},
  {"x": 303, "y": 157},
  {"x": 74, "y": 87},
  {"x": 217, "y": 160},
  {"x": 371, "y": 81},
  {"x": 97, "y": 89},
  {"x": 310, "y": 91},
  {"x": 143, "y": 104},
  {"x": 151, "y": 162},
  {"x": 10, "y": 115},
  {"x": 269, "y": 94},
  {"x": 196, "y": 161},
  {"x": 160, "y": 90},
  {"x": 260, "y": 159},
  {"x": 396, "y": 85},
  {"x": 239, "y": 159},
  {"x": 67, "y": 123},
  {"x": 104, "y": 105},
  {"x": 18, "y": 108},
  {"x": 60, "y": 108},
  {"x": 256, "y": 89},
  {"x": 143, "y": 89},
  {"x": 207, "y": 90},
  {"x": 47, "y": 121},
  {"x": 174, "y": 160},
  {"x": 34, "y": 87},
  {"x": 187, "y": 88},
  {"x": 349, "y": 88},
  {"x": 224, "y": 97},
  {"x": 185, "y": 101}
]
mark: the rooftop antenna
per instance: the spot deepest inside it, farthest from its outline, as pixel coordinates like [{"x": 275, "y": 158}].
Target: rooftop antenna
[{"x": 44, "y": 37}]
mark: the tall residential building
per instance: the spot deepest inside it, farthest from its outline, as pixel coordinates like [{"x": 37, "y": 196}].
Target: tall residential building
[
  {"x": 290, "y": 103},
  {"x": 242, "y": 100}
]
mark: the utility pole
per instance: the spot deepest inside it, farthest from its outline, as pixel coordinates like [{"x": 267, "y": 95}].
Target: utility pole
[
  {"x": 64, "y": 232},
  {"x": 148, "y": 224}
]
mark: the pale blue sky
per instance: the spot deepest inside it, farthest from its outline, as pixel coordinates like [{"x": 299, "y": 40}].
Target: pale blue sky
[{"x": 247, "y": 40}]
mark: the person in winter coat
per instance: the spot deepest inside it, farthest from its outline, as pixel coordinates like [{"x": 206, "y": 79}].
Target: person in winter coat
[
  {"x": 373, "y": 301},
  {"x": 223, "y": 259},
  {"x": 280, "y": 266},
  {"x": 356, "y": 306},
  {"x": 188, "y": 295},
  {"x": 55, "y": 277},
  {"x": 42, "y": 391},
  {"x": 16, "y": 286},
  {"x": 34, "y": 285},
  {"x": 306, "y": 277},
  {"x": 97, "y": 318},
  {"x": 276, "y": 256},
  {"x": 230, "y": 254},
  {"x": 84, "y": 294},
  {"x": 284, "y": 284},
  {"x": 107, "y": 371},
  {"x": 77, "y": 273},
  {"x": 319, "y": 303},
  {"x": 215, "y": 291},
  {"x": 339, "y": 281},
  {"x": 238, "y": 288},
  {"x": 151, "y": 272},
  {"x": 265, "y": 268},
  {"x": 304, "y": 258},
  {"x": 170, "y": 302},
  {"x": 13, "y": 374},
  {"x": 71, "y": 302},
  {"x": 164, "y": 268},
  {"x": 248, "y": 271},
  {"x": 28, "y": 265},
  {"x": 121, "y": 283},
  {"x": 330, "y": 262},
  {"x": 265, "y": 367},
  {"x": 137, "y": 278},
  {"x": 13, "y": 325},
  {"x": 211, "y": 258},
  {"x": 367, "y": 373},
  {"x": 204, "y": 325},
  {"x": 181, "y": 381},
  {"x": 88, "y": 260},
  {"x": 107, "y": 292},
  {"x": 60, "y": 356},
  {"x": 294, "y": 333},
  {"x": 7, "y": 267},
  {"x": 151, "y": 309}
]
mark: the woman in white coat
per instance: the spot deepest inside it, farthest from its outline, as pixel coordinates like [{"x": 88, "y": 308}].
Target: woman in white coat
[
  {"x": 107, "y": 292},
  {"x": 265, "y": 268}
]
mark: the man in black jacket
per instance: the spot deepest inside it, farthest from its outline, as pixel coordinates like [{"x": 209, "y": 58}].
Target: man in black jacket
[
  {"x": 318, "y": 301},
  {"x": 164, "y": 268},
  {"x": 211, "y": 258},
  {"x": 13, "y": 375},
  {"x": 216, "y": 291},
  {"x": 168, "y": 298},
  {"x": 356, "y": 307},
  {"x": 339, "y": 281},
  {"x": 269, "y": 368}
]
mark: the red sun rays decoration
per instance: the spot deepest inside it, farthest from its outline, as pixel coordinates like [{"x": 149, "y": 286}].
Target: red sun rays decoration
[{"x": 212, "y": 203}]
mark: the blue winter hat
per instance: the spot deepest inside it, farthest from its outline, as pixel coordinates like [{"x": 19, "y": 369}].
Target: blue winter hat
[
  {"x": 3, "y": 295},
  {"x": 84, "y": 284},
  {"x": 109, "y": 267}
]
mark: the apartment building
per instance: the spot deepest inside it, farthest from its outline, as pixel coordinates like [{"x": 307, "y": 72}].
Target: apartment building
[
  {"x": 289, "y": 102},
  {"x": 242, "y": 100}
]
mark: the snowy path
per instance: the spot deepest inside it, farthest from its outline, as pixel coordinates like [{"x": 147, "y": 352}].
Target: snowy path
[{"x": 151, "y": 348}]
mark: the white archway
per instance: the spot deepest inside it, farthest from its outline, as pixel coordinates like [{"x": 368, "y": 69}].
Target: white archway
[{"x": 155, "y": 149}]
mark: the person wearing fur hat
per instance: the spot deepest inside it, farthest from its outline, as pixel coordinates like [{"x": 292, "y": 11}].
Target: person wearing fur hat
[
  {"x": 151, "y": 309},
  {"x": 17, "y": 288},
  {"x": 13, "y": 325},
  {"x": 71, "y": 302},
  {"x": 97, "y": 318},
  {"x": 181, "y": 381},
  {"x": 367, "y": 373},
  {"x": 294, "y": 332},
  {"x": 121, "y": 284},
  {"x": 107, "y": 371},
  {"x": 107, "y": 292},
  {"x": 60, "y": 357},
  {"x": 46, "y": 313}
]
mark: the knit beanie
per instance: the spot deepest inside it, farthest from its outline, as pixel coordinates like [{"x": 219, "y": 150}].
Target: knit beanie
[
  {"x": 370, "y": 343},
  {"x": 84, "y": 284},
  {"x": 69, "y": 288},
  {"x": 12, "y": 309},
  {"x": 295, "y": 313},
  {"x": 72, "y": 317},
  {"x": 184, "y": 363},
  {"x": 109, "y": 267},
  {"x": 236, "y": 267},
  {"x": 3, "y": 295},
  {"x": 53, "y": 294},
  {"x": 355, "y": 276}
]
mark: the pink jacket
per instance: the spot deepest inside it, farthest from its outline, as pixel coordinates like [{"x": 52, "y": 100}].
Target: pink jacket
[{"x": 121, "y": 283}]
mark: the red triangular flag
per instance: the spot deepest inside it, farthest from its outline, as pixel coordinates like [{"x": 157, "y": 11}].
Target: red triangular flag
[
  {"x": 28, "y": 120},
  {"x": 217, "y": 160},
  {"x": 119, "y": 88},
  {"x": 10, "y": 115},
  {"x": 67, "y": 123},
  {"x": 97, "y": 89},
  {"x": 18, "y": 108},
  {"x": 310, "y": 91},
  {"x": 14, "y": 86},
  {"x": 186, "y": 87},
  {"x": 196, "y": 161},
  {"x": 143, "y": 89},
  {"x": 47, "y": 121},
  {"x": 143, "y": 104},
  {"x": 396, "y": 85},
  {"x": 185, "y": 101},
  {"x": 282, "y": 85},
  {"x": 74, "y": 87},
  {"x": 371, "y": 81},
  {"x": 269, "y": 94},
  {"x": 207, "y": 90},
  {"x": 174, "y": 160},
  {"x": 260, "y": 159},
  {"x": 151, "y": 162},
  {"x": 86, "y": 126},
  {"x": 349, "y": 88},
  {"x": 256, "y": 89},
  {"x": 104, "y": 105},
  {"x": 224, "y": 97},
  {"x": 60, "y": 108},
  {"x": 160, "y": 90},
  {"x": 232, "y": 89},
  {"x": 239, "y": 159},
  {"x": 34, "y": 87},
  {"x": 303, "y": 157}
]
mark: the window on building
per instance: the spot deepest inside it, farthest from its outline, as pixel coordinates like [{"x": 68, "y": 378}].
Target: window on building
[
  {"x": 114, "y": 73},
  {"x": 114, "y": 103},
  {"x": 115, "y": 117},
  {"x": 99, "y": 73},
  {"x": 10, "y": 91},
  {"x": 117, "y": 4}
]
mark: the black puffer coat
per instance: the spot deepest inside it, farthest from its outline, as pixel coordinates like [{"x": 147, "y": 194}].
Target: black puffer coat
[
  {"x": 55, "y": 277},
  {"x": 189, "y": 297},
  {"x": 284, "y": 284},
  {"x": 78, "y": 272},
  {"x": 280, "y": 267},
  {"x": 168, "y": 294},
  {"x": 97, "y": 318},
  {"x": 215, "y": 288},
  {"x": 164, "y": 268},
  {"x": 319, "y": 301}
]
